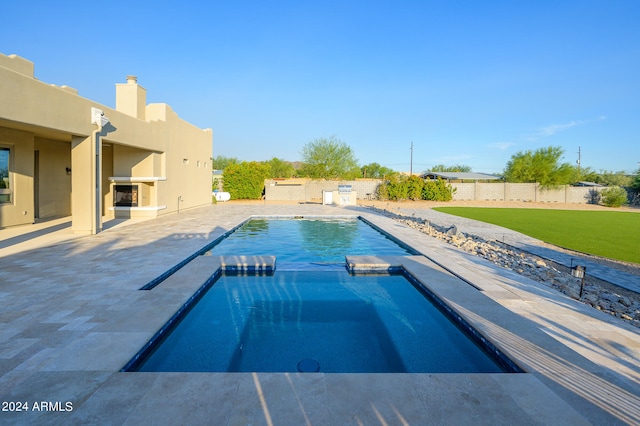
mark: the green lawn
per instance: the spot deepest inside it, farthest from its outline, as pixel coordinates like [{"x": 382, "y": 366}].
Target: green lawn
[{"x": 611, "y": 234}]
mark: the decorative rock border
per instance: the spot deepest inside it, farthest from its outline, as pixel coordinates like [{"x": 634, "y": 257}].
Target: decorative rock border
[{"x": 598, "y": 294}]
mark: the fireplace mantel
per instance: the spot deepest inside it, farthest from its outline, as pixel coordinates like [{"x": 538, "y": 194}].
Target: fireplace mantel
[{"x": 136, "y": 178}]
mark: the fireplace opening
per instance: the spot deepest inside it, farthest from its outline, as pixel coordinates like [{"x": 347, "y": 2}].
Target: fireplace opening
[{"x": 125, "y": 196}]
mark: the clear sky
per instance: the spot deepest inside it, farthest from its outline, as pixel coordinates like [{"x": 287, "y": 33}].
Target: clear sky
[{"x": 468, "y": 82}]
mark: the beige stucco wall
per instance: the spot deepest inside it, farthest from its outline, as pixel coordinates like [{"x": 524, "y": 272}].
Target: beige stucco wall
[
  {"x": 129, "y": 161},
  {"x": 145, "y": 141},
  {"x": 53, "y": 196},
  {"x": 107, "y": 171},
  {"x": 81, "y": 185}
]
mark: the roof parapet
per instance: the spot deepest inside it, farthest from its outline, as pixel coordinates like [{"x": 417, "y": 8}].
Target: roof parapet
[{"x": 18, "y": 64}]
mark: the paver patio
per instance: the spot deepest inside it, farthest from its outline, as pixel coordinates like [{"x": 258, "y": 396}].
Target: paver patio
[{"x": 72, "y": 315}]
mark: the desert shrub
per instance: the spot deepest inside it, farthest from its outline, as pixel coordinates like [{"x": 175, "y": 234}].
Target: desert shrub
[
  {"x": 634, "y": 189},
  {"x": 593, "y": 196},
  {"x": 614, "y": 196},
  {"x": 394, "y": 189},
  {"x": 414, "y": 188},
  {"x": 382, "y": 191},
  {"x": 398, "y": 189},
  {"x": 437, "y": 190},
  {"x": 633, "y": 196},
  {"x": 245, "y": 180}
]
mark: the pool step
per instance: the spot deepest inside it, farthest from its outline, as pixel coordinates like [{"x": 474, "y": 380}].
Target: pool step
[
  {"x": 248, "y": 264},
  {"x": 373, "y": 264}
]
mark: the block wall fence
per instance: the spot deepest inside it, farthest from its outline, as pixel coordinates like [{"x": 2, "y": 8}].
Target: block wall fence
[{"x": 305, "y": 190}]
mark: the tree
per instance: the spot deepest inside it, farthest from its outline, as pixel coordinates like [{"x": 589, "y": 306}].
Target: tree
[
  {"x": 613, "y": 178},
  {"x": 221, "y": 162},
  {"x": 454, "y": 168},
  {"x": 542, "y": 166},
  {"x": 376, "y": 171},
  {"x": 588, "y": 175},
  {"x": 329, "y": 159},
  {"x": 280, "y": 168},
  {"x": 245, "y": 180}
]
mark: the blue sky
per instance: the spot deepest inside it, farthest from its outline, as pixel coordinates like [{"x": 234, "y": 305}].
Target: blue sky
[{"x": 468, "y": 82}]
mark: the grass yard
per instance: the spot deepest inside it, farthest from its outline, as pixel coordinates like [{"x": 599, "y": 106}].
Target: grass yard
[{"x": 615, "y": 235}]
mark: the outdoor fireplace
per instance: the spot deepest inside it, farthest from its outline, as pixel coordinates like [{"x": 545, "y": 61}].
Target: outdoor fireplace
[{"x": 125, "y": 196}]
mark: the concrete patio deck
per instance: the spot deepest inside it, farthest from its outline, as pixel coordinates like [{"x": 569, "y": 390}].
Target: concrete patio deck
[{"x": 72, "y": 316}]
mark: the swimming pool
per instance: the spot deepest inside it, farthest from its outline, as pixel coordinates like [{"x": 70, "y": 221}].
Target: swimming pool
[
  {"x": 312, "y": 314},
  {"x": 334, "y": 321},
  {"x": 309, "y": 243}
]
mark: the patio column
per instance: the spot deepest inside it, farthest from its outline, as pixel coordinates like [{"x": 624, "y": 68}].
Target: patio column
[{"x": 83, "y": 193}]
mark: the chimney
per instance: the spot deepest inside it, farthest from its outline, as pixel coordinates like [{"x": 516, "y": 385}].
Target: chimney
[{"x": 131, "y": 98}]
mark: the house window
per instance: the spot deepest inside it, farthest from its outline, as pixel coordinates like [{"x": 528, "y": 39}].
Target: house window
[{"x": 5, "y": 178}]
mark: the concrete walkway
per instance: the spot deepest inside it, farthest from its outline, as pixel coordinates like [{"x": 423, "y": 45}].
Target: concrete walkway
[{"x": 72, "y": 316}]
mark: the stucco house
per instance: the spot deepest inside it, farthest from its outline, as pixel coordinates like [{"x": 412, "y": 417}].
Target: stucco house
[{"x": 65, "y": 155}]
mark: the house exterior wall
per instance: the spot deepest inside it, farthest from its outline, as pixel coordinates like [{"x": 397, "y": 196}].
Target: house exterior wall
[
  {"x": 53, "y": 181},
  {"x": 147, "y": 143}
]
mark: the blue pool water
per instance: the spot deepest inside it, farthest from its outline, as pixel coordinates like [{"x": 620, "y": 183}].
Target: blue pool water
[
  {"x": 309, "y": 243},
  {"x": 345, "y": 323},
  {"x": 311, "y": 314}
]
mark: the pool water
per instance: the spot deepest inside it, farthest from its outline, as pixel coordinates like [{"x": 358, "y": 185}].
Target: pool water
[
  {"x": 331, "y": 320},
  {"x": 311, "y": 314},
  {"x": 309, "y": 243}
]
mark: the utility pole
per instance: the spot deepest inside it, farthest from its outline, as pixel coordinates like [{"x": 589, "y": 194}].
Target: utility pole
[
  {"x": 411, "y": 163},
  {"x": 579, "y": 159}
]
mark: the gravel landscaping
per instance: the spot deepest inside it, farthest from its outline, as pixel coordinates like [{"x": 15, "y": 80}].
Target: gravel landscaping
[{"x": 599, "y": 294}]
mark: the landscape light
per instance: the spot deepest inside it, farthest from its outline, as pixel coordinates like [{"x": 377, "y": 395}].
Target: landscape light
[{"x": 579, "y": 272}]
